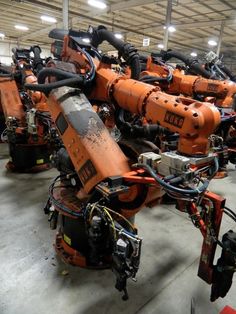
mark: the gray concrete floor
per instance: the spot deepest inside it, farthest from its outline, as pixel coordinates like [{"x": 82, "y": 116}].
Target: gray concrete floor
[{"x": 31, "y": 280}]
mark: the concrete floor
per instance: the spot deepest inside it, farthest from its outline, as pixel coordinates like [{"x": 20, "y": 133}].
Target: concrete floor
[{"x": 31, "y": 280}]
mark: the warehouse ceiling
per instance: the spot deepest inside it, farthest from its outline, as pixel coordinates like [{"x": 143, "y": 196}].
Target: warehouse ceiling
[{"x": 196, "y": 22}]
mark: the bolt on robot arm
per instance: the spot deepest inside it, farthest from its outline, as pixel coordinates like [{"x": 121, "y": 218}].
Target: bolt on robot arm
[{"x": 100, "y": 193}]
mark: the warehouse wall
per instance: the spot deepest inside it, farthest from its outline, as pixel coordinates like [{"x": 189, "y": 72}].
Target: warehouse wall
[{"x": 6, "y": 51}]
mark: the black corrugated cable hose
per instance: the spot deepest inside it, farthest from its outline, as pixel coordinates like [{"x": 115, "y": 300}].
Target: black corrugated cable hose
[
  {"x": 59, "y": 74},
  {"x": 227, "y": 71},
  {"x": 152, "y": 78},
  {"x": 38, "y": 63},
  {"x": 126, "y": 50},
  {"x": 64, "y": 79},
  {"x": 46, "y": 88},
  {"x": 138, "y": 130},
  {"x": 5, "y": 73},
  {"x": 193, "y": 64}
]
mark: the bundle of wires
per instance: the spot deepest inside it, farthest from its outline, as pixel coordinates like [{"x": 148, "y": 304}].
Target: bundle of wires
[
  {"x": 211, "y": 214},
  {"x": 107, "y": 213},
  {"x": 91, "y": 74},
  {"x": 177, "y": 192},
  {"x": 57, "y": 203},
  {"x": 44, "y": 118}
]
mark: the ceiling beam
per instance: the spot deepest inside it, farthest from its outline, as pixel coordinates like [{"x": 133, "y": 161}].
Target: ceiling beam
[
  {"x": 40, "y": 32},
  {"x": 92, "y": 15},
  {"x": 154, "y": 30},
  {"x": 184, "y": 26},
  {"x": 124, "y": 5},
  {"x": 203, "y": 41}
]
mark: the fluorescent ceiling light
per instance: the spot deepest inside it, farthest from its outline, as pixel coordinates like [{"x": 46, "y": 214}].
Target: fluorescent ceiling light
[
  {"x": 193, "y": 54},
  {"x": 171, "y": 29},
  {"x": 97, "y": 4},
  {"x": 119, "y": 36},
  {"x": 161, "y": 46},
  {"x": 86, "y": 40},
  {"x": 22, "y": 27},
  {"x": 2, "y": 35},
  {"x": 49, "y": 19},
  {"x": 212, "y": 42}
]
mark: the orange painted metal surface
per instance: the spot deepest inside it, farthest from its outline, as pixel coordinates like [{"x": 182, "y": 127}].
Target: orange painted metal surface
[
  {"x": 93, "y": 144},
  {"x": 193, "y": 120},
  {"x": 222, "y": 91},
  {"x": 10, "y": 100},
  {"x": 68, "y": 254},
  {"x": 205, "y": 270}
]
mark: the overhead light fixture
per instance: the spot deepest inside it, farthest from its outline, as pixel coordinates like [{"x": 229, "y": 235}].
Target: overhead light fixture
[
  {"x": 212, "y": 42},
  {"x": 22, "y": 27},
  {"x": 2, "y": 35},
  {"x": 48, "y": 19},
  {"x": 97, "y": 4},
  {"x": 171, "y": 29},
  {"x": 118, "y": 35},
  {"x": 86, "y": 40},
  {"x": 161, "y": 46},
  {"x": 193, "y": 54}
]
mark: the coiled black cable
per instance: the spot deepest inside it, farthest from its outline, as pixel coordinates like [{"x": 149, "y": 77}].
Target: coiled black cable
[{"x": 58, "y": 204}]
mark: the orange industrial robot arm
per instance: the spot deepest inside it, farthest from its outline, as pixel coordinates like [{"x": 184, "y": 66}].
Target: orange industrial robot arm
[
  {"x": 107, "y": 191},
  {"x": 28, "y": 123},
  {"x": 189, "y": 85},
  {"x": 10, "y": 101},
  {"x": 193, "y": 120}
]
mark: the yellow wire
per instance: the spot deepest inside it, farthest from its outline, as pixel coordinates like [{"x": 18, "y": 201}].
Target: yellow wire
[
  {"x": 112, "y": 221},
  {"x": 107, "y": 210},
  {"x": 90, "y": 214},
  {"x": 125, "y": 219},
  {"x": 107, "y": 213}
]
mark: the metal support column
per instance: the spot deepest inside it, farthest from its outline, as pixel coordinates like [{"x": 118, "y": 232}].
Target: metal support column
[
  {"x": 167, "y": 23},
  {"x": 220, "y": 38},
  {"x": 65, "y": 14}
]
